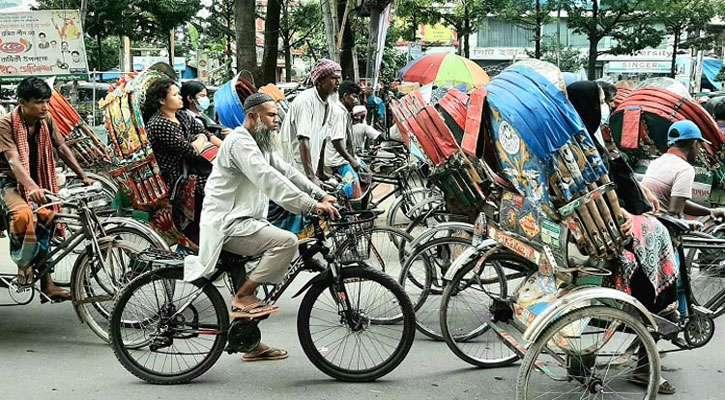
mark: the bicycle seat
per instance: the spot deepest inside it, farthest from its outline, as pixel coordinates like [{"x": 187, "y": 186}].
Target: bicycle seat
[{"x": 678, "y": 225}]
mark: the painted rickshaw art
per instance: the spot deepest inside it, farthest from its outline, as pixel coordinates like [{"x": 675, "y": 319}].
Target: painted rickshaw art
[
  {"x": 135, "y": 168},
  {"x": 88, "y": 149}
]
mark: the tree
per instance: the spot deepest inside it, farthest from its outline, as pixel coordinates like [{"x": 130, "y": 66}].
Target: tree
[
  {"x": 681, "y": 17},
  {"x": 301, "y": 26},
  {"x": 218, "y": 35},
  {"x": 529, "y": 14},
  {"x": 628, "y": 22},
  {"x": 246, "y": 35},
  {"x": 465, "y": 16},
  {"x": 157, "y": 19},
  {"x": 566, "y": 58},
  {"x": 271, "y": 41}
]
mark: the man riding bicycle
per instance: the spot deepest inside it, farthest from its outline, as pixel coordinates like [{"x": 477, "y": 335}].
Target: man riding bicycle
[
  {"x": 671, "y": 176},
  {"x": 27, "y": 172},
  {"x": 247, "y": 173}
]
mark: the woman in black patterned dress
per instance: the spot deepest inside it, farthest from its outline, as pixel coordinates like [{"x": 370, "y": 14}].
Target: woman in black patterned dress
[{"x": 177, "y": 141}]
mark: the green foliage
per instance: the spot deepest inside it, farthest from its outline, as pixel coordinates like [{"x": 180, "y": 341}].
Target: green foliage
[
  {"x": 464, "y": 16},
  {"x": 109, "y": 53},
  {"x": 570, "y": 59},
  {"x": 629, "y": 22}
]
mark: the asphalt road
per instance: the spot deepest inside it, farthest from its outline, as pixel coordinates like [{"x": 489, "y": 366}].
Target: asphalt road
[{"x": 46, "y": 353}]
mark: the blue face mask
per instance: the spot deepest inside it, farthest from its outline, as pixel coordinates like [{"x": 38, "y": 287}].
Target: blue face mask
[{"x": 203, "y": 103}]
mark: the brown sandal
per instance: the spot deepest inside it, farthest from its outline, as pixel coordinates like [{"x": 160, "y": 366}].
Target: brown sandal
[
  {"x": 254, "y": 310},
  {"x": 270, "y": 354}
]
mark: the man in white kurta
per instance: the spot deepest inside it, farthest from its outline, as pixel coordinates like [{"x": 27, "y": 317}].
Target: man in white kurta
[
  {"x": 305, "y": 127},
  {"x": 247, "y": 173}
]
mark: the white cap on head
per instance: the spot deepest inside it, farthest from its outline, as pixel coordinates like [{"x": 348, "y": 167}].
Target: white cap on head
[{"x": 359, "y": 110}]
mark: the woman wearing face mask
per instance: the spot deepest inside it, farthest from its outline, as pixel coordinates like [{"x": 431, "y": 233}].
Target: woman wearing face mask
[{"x": 196, "y": 101}]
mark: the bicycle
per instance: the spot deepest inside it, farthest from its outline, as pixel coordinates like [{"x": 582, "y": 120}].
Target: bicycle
[
  {"x": 158, "y": 315},
  {"x": 100, "y": 269}
]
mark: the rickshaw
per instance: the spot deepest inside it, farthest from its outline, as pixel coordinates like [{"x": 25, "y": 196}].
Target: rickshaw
[{"x": 534, "y": 285}]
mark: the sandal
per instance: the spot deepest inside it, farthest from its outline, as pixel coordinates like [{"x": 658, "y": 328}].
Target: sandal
[
  {"x": 665, "y": 386},
  {"x": 25, "y": 277},
  {"x": 254, "y": 310},
  {"x": 270, "y": 354}
]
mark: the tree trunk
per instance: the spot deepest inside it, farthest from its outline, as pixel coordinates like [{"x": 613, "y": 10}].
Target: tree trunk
[
  {"x": 245, "y": 35},
  {"x": 673, "y": 66},
  {"x": 594, "y": 39},
  {"x": 348, "y": 41},
  {"x": 592, "y": 60},
  {"x": 466, "y": 34},
  {"x": 286, "y": 39},
  {"x": 374, "y": 28},
  {"x": 330, "y": 34},
  {"x": 271, "y": 43},
  {"x": 99, "y": 44}
]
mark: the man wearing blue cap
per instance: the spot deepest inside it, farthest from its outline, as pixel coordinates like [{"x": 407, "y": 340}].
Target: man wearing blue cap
[{"x": 671, "y": 176}]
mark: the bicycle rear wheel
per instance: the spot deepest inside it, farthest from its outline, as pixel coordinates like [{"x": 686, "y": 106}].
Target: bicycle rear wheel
[
  {"x": 175, "y": 348},
  {"x": 363, "y": 349}
]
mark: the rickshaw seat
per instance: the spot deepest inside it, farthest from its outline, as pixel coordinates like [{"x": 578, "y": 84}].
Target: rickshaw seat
[{"x": 677, "y": 225}]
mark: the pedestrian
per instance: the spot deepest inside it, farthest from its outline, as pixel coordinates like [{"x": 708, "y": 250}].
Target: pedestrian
[{"x": 303, "y": 135}]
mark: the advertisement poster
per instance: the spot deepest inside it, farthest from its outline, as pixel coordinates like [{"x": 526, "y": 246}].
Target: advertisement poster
[{"x": 42, "y": 43}]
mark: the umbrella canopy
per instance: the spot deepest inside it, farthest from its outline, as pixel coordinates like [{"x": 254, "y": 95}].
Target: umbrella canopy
[{"x": 444, "y": 69}]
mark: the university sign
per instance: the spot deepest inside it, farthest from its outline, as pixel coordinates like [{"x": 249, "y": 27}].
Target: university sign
[{"x": 518, "y": 53}]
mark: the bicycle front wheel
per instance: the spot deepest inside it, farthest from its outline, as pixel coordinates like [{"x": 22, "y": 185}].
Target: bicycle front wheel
[
  {"x": 422, "y": 279},
  {"x": 158, "y": 341},
  {"x": 355, "y": 346},
  {"x": 97, "y": 277}
]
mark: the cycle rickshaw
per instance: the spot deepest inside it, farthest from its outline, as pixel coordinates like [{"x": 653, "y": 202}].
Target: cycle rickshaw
[{"x": 536, "y": 284}]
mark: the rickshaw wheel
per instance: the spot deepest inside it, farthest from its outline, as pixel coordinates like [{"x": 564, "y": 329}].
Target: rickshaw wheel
[{"x": 595, "y": 351}]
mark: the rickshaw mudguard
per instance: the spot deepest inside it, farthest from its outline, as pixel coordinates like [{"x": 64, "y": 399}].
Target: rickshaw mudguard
[
  {"x": 445, "y": 226},
  {"x": 467, "y": 255},
  {"x": 577, "y": 298},
  {"x": 133, "y": 223}
]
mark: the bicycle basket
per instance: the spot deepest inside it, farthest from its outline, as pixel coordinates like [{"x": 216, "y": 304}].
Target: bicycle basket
[{"x": 352, "y": 234}]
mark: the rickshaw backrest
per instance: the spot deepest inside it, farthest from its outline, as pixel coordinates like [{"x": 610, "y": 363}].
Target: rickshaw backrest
[{"x": 546, "y": 153}]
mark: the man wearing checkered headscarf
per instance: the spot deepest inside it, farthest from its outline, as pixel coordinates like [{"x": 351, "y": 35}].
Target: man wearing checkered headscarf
[
  {"x": 304, "y": 129},
  {"x": 323, "y": 69},
  {"x": 303, "y": 134}
]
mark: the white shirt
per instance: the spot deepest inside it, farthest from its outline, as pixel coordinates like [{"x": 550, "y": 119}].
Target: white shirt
[
  {"x": 237, "y": 194},
  {"x": 339, "y": 125},
  {"x": 307, "y": 117},
  {"x": 669, "y": 176},
  {"x": 362, "y": 131}
]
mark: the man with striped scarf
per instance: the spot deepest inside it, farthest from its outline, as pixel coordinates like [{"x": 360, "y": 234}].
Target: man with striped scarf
[{"x": 27, "y": 172}]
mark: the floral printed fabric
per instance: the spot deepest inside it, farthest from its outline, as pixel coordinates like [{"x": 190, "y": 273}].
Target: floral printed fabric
[{"x": 653, "y": 252}]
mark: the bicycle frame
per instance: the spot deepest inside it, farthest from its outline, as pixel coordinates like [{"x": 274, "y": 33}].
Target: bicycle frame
[{"x": 307, "y": 252}]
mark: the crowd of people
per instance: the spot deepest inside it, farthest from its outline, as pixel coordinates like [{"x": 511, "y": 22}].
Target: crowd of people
[{"x": 255, "y": 195}]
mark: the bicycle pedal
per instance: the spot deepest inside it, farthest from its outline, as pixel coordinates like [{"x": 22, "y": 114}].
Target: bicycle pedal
[
  {"x": 703, "y": 311},
  {"x": 679, "y": 342}
]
